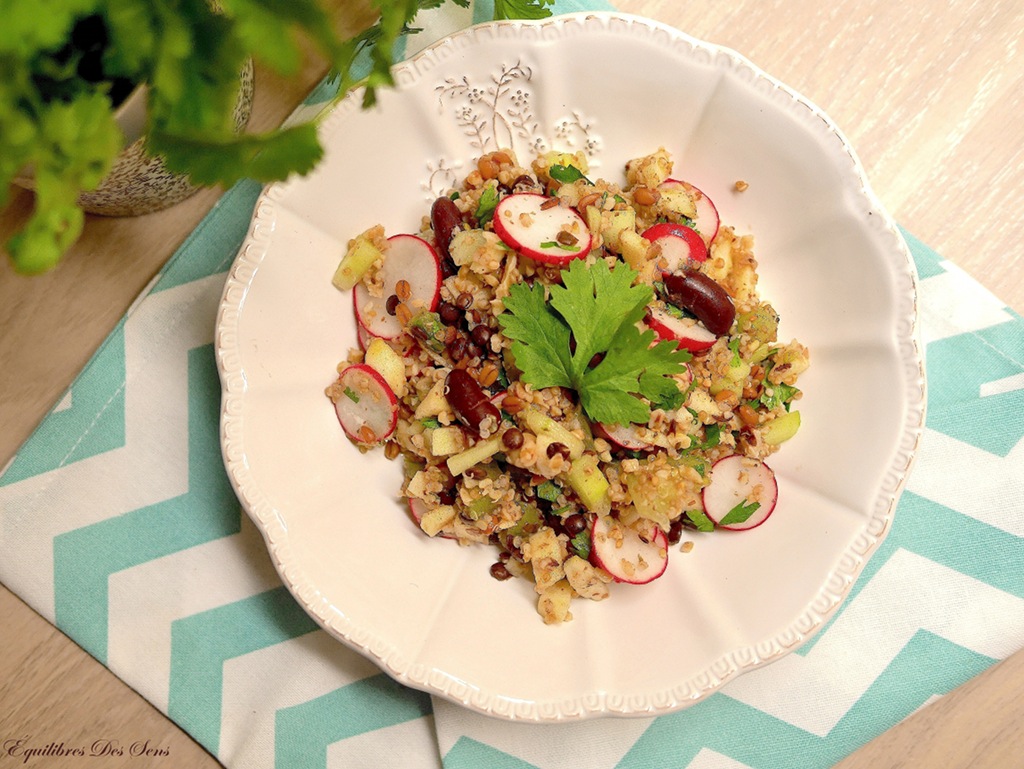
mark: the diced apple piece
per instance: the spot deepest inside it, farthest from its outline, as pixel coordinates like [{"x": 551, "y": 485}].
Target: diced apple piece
[
  {"x": 741, "y": 493},
  {"x": 541, "y": 424},
  {"x": 474, "y": 455},
  {"x": 417, "y": 509},
  {"x": 433, "y": 402},
  {"x": 447, "y": 440},
  {"x": 382, "y": 358},
  {"x": 544, "y": 553},
  {"x": 553, "y": 604},
  {"x": 586, "y": 579},
  {"x": 410, "y": 259},
  {"x": 539, "y": 227},
  {"x": 620, "y": 551},
  {"x": 613, "y": 224},
  {"x": 358, "y": 259},
  {"x": 780, "y": 429},
  {"x": 590, "y": 484},
  {"x": 435, "y": 519},
  {"x": 365, "y": 404}
]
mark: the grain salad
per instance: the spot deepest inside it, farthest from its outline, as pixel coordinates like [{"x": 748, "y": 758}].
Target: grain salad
[{"x": 578, "y": 373}]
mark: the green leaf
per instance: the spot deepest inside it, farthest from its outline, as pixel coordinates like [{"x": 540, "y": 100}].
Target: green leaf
[
  {"x": 597, "y": 302},
  {"x": 740, "y": 513},
  {"x": 566, "y": 174},
  {"x": 486, "y": 205},
  {"x": 522, "y": 9},
  {"x": 540, "y": 339},
  {"x": 700, "y": 520},
  {"x": 597, "y": 309},
  {"x": 227, "y": 158},
  {"x": 580, "y": 544},
  {"x": 548, "y": 491},
  {"x": 781, "y": 394}
]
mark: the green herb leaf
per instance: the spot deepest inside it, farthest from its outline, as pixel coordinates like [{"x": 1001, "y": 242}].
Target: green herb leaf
[
  {"x": 566, "y": 174},
  {"x": 734, "y": 345},
  {"x": 522, "y": 9},
  {"x": 712, "y": 436},
  {"x": 548, "y": 491},
  {"x": 352, "y": 395},
  {"x": 781, "y": 394},
  {"x": 485, "y": 207},
  {"x": 700, "y": 520},
  {"x": 580, "y": 544},
  {"x": 597, "y": 308},
  {"x": 740, "y": 513}
]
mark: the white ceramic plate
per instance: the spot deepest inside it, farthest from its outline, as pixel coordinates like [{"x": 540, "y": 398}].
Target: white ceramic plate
[{"x": 831, "y": 260}]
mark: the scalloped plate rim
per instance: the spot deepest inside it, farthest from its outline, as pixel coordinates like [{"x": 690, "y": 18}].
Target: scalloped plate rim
[{"x": 834, "y": 587}]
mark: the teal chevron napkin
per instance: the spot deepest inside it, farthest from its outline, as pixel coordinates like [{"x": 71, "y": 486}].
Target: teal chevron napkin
[{"x": 118, "y": 525}]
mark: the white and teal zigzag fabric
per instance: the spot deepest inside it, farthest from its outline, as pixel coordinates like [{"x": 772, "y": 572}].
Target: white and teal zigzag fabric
[{"x": 118, "y": 525}]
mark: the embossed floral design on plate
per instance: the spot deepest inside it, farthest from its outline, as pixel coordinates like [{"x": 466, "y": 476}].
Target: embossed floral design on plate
[
  {"x": 499, "y": 114},
  {"x": 830, "y": 259}
]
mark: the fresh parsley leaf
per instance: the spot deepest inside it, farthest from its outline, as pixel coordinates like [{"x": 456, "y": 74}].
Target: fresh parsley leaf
[
  {"x": 700, "y": 521},
  {"x": 541, "y": 346},
  {"x": 430, "y": 422},
  {"x": 548, "y": 491},
  {"x": 712, "y": 435},
  {"x": 580, "y": 545},
  {"x": 352, "y": 395},
  {"x": 740, "y": 513},
  {"x": 522, "y": 9},
  {"x": 781, "y": 394},
  {"x": 734, "y": 345},
  {"x": 486, "y": 205},
  {"x": 597, "y": 307},
  {"x": 566, "y": 174}
]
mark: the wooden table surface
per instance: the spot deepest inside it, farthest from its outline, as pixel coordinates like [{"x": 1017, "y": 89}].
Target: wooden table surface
[{"x": 931, "y": 95}]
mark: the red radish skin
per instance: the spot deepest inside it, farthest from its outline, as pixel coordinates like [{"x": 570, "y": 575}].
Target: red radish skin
[
  {"x": 681, "y": 246},
  {"x": 366, "y": 406},
  {"x": 736, "y": 480},
  {"x": 707, "y": 220},
  {"x": 623, "y": 436},
  {"x": 531, "y": 223},
  {"x": 407, "y": 258},
  {"x": 363, "y": 336},
  {"x": 621, "y": 552},
  {"x": 690, "y": 334}
]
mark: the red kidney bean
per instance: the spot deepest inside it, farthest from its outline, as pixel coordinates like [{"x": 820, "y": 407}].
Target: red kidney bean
[
  {"x": 445, "y": 220},
  {"x": 470, "y": 403},
  {"x": 696, "y": 292}
]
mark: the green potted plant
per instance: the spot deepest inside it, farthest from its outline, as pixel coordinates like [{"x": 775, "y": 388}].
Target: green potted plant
[{"x": 67, "y": 65}]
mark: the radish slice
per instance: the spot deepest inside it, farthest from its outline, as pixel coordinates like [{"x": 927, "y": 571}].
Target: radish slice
[
  {"x": 620, "y": 551},
  {"x": 625, "y": 436},
  {"x": 407, "y": 258},
  {"x": 689, "y": 333},
  {"x": 735, "y": 484},
  {"x": 531, "y": 224},
  {"x": 707, "y": 219},
  {"x": 366, "y": 406},
  {"x": 363, "y": 336},
  {"x": 681, "y": 246}
]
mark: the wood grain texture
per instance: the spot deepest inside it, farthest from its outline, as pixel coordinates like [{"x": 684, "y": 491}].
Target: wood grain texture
[{"x": 930, "y": 94}]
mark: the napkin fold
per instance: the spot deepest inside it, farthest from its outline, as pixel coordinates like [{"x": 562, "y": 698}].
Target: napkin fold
[{"x": 118, "y": 524}]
